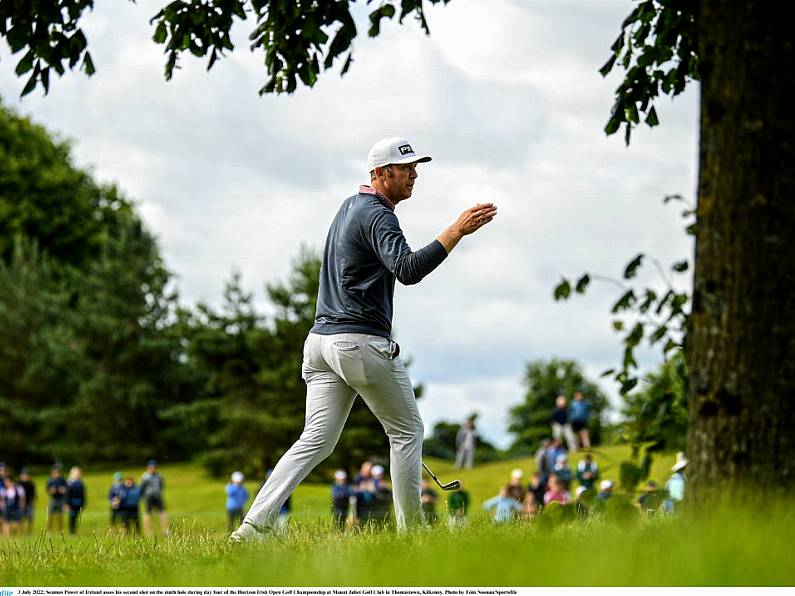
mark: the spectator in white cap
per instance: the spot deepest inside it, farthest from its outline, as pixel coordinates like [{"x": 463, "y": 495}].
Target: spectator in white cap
[
  {"x": 236, "y": 497},
  {"x": 605, "y": 490},
  {"x": 341, "y": 494},
  {"x": 350, "y": 350},
  {"x": 382, "y": 497},
  {"x": 675, "y": 487},
  {"x": 516, "y": 489}
]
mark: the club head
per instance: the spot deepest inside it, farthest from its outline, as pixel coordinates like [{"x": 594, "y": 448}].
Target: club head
[{"x": 454, "y": 485}]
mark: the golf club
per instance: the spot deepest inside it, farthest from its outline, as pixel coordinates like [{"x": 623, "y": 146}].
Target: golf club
[{"x": 449, "y": 486}]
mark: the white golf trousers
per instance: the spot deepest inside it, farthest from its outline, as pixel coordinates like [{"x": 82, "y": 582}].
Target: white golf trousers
[{"x": 336, "y": 368}]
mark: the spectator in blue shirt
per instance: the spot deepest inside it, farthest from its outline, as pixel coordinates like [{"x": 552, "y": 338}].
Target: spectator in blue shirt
[
  {"x": 505, "y": 508},
  {"x": 130, "y": 498},
  {"x": 341, "y": 493},
  {"x": 236, "y": 497},
  {"x": 75, "y": 498},
  {"x": 114, "y": 497},
  {"x": 675, "y": 487},
  {"x": 579, "y": 414},
  {"x": 56, "y": 488}
]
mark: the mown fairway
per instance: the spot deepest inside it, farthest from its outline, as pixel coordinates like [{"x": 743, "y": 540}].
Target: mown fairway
[{"x": 726, "y": 548}]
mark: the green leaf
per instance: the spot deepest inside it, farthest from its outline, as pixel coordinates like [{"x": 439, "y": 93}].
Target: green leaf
[
  {"x": 634, "y": 336},
  {"x": 563, "y": 290},
  {"x": 681, "y": 266},
  {"x": 607, "y": 372},
  {"x": 618, "y": 325},
  {"x": 31, "y": 84},
  {"x": 632, "y": 267},
  {"x": 608, "y": 66},
  {"x": 625, "y": 302},
  {"x": 582, "y": 284},
  {"x": 387, "y": 10},
  {"x": 88, "y": 64},
  {"x": 347, "y": 65},
  {"x": 161, "y": 33},
  {"x": 612, "y": 125},
  {"x": 658, "y": 334},
  {"x": 628, "y": 385},
  {"x": 26, "y": 63},
  {"x": 651, "y": 117}
]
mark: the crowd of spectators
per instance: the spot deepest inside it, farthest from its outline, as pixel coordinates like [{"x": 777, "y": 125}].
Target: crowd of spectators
[{"x": 68, "y": 496}]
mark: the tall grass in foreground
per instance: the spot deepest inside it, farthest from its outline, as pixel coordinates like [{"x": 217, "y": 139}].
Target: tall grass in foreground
[{"x": 722, "y": 548}]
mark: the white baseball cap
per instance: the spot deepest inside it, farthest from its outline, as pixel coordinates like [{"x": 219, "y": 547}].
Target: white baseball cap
[
  {"x": 237, "y": 476},
  {"x": 340, "y": 474},
  {"x": 392, "y": 150},
  {"x": 378, "y": 470}
]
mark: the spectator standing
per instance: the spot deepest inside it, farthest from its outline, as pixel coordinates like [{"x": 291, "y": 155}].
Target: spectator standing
[
  {"x": 75, "y": 498},
  {"x": 587, "y": 472},
  {"x": 128, "y": 507},
  {"x": 605, "y": 490},
  {"x": 457, "y": 507},
  {"x": 429, "y": 498},
  {"x": 56, "y": 489},
  {"x": 236, "y": 497},
  {"x": 365, "y": 495},
  {"x": 152, "y": 487},
  {"x": 562, "y": 470},
  {"x": 675, "y": 487},
  {"x": 542, "y": 463},
  {"x": 30, "y": 500},
  {"x": 114, "y": 498},
  {"x": 516, "y": 488},
  {"x": 12, "y": 501},
  {"x": 3, "y": 472},
  {"x": 382, "y": 504},
  {"x": 341, "y": 495},
  {"x": 561, "y": 427},
  {"x": 505, "y": 507},
  {"x": 465, "y": 442},
  {"x": 557, "y": 492},
  {"x": 554, "y": 450},
  {"x": 579, "y": 414}
]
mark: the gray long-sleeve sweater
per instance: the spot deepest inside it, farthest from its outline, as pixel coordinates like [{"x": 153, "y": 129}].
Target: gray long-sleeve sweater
[{"x": 365, "y": 252}]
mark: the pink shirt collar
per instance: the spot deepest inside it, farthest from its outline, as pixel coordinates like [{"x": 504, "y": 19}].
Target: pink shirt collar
[{"x": 369, "y": 190}]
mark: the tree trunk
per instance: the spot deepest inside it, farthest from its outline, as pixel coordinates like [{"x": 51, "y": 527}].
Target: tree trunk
[{"x": 741, "y": 343}]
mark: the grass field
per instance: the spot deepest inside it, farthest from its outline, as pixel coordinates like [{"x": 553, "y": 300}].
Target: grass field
[{"x": 724, "y": 548}]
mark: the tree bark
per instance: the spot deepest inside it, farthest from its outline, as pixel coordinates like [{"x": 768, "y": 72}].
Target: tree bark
[{"x": 741, "y": 341}]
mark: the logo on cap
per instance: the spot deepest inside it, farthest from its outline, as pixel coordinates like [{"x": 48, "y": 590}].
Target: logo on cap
[{"x": 405, "y": 149}]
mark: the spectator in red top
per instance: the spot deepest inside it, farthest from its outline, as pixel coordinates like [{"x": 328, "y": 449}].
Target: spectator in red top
[{"x": 557, "y": 491}]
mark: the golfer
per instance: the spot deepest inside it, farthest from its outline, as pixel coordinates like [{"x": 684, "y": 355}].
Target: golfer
[{"x": 349, "y": 349}]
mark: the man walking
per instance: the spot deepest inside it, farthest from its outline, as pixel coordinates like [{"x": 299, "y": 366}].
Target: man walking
[
  {"x": 465, "y": 441},
  {"x": 349, "y": 350},
  {"x": 152, "y": 485}
]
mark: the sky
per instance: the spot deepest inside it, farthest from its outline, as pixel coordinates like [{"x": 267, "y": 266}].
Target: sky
[{"x": 507, "y": 98}]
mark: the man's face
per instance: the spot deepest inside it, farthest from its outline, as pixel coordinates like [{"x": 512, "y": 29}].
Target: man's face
[{"x": 398, "y": 180}]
